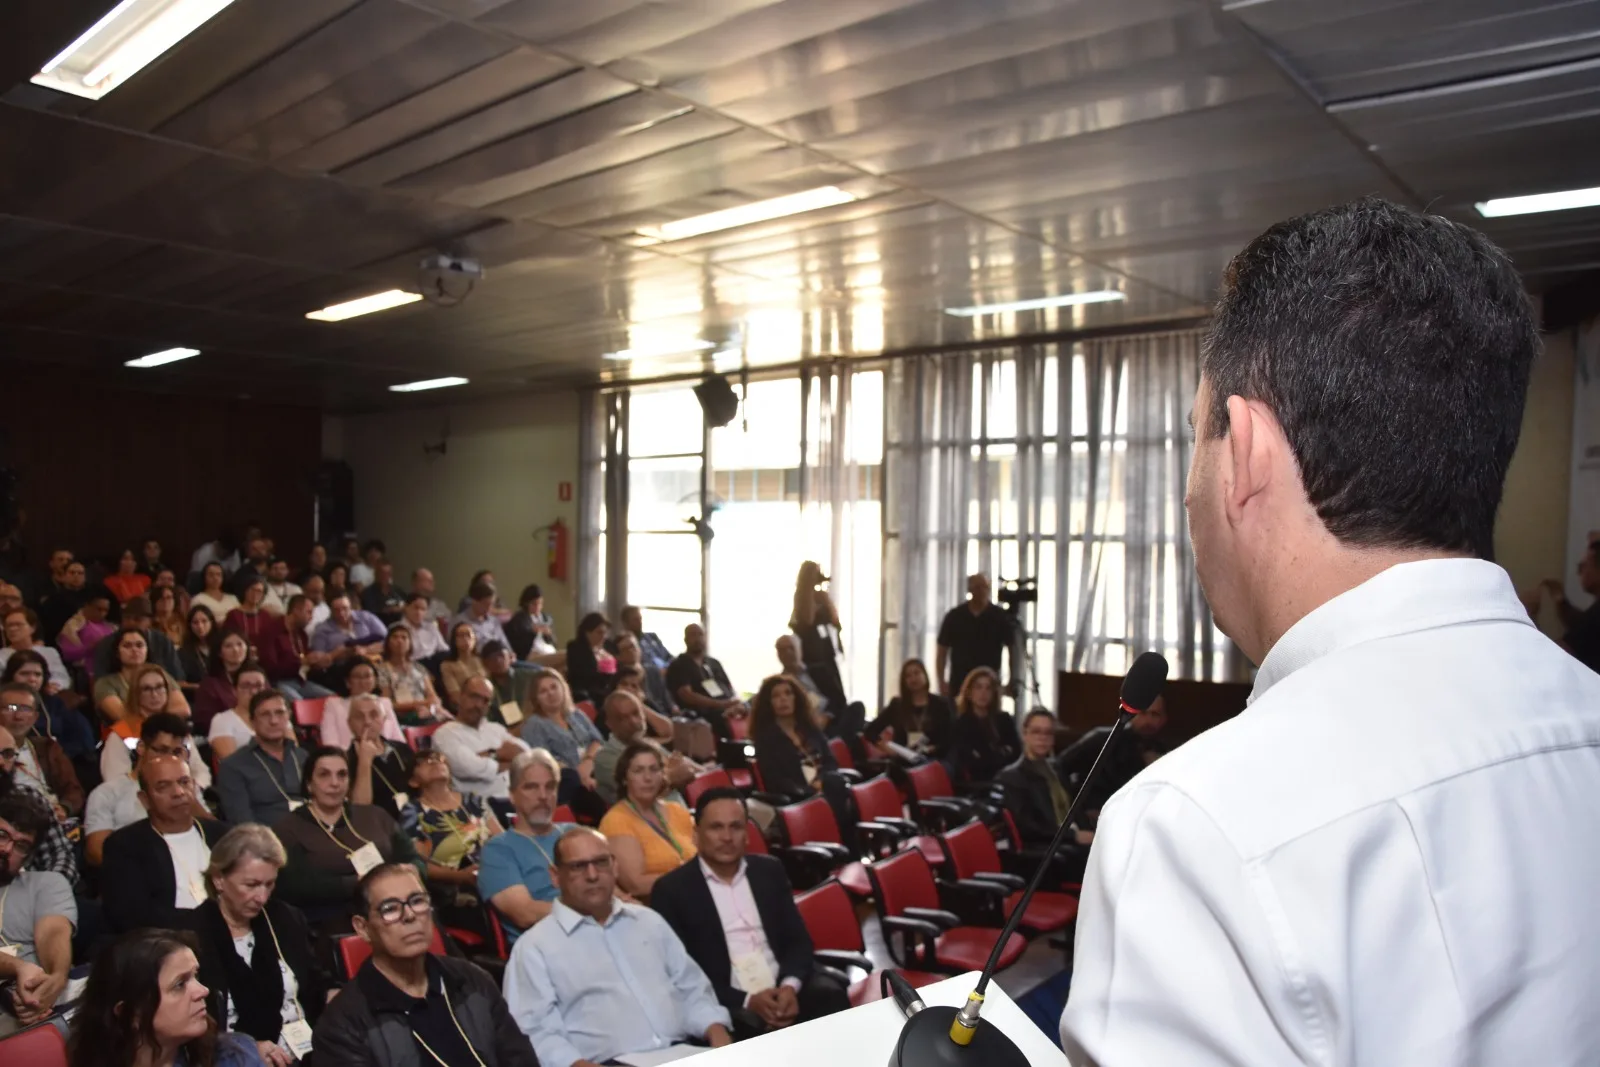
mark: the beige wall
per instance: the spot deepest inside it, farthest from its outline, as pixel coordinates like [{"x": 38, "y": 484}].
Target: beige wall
[
  {"x": 1531, "y": 534},
  {"x": 476, "y": 506}
]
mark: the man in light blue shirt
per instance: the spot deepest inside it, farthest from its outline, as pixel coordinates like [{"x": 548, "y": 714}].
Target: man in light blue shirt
[
  {"x": 514, "y": 869},
  {"x": 348, "y": 631},
  {"x": 601, "y": 978},
  {"x": 479, "y": 615}
]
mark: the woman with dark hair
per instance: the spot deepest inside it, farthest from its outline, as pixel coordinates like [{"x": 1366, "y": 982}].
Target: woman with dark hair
[
  {"x": 316, "y": 563},
  {"x": 216, "y": 693},
  {"x": 815, "y": 621},
  {"x": 145, "y": 1006},
  {"x": 985, "y": 738},
  {"x": 404, "y": 681},
  {"x": 336, "y": 582},
  {"x": 792, "y": 752},
  {"x": 150, "y": 558},
  {"x": 251, "y": 618},
  {"x": 68, "y": 728},
  {"x": 529, "y": 630},
  {"x": 591, "y": 670},
  {"x": 115, "y": 695},
  {"x": 128, "y": 581},
  {"x": 166, "y": 613},
  {"x": 213, "y": 594},
  {"x": 330, "y": 843},
  {"x": 461, "y": 662},
  {"x": 917, "y": 718},
  {"x": 649, "y": 836},
  {"x": 200, "y": 637}
]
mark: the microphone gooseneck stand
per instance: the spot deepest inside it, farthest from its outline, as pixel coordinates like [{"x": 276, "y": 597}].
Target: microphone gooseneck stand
[{"x": 938, "y": 1036}]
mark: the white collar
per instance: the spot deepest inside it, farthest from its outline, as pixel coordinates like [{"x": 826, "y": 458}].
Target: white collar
[
  {"x": 570, "y": 920},
  {"x": 711, "y": 876}
]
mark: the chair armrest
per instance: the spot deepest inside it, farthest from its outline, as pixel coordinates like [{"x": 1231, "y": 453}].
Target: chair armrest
[
  {"x": 839, "y": 959},
  {"x": 772, "y": 799},
  {"x": 821, "y": 851},
  {"x": 905, "y": 826},
  {"x": 919, "y": 938},
  {"x": 877, "y": 839},
  {"x": 977, "y": 903},
  {"x": 806, "y": 865},
  {"x": 850, "y": 775},
  {"x": 941, "y": 813},
  {"x": 938, "y": 916},
  {"x": 1012, "y": 882}
]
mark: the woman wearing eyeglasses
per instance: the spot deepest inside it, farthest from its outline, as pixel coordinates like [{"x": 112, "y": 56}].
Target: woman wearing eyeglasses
[
  {"x": 112, "y": 691},
  {"x": 330, "y": 843},
  {"x": 154, "y": 688},
  {"x": 449, "y": 830},
  {"x": 255, "y": 950}
]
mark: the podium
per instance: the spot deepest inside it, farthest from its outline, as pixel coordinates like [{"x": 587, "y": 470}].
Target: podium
[{"x": 865, "y": 1036}]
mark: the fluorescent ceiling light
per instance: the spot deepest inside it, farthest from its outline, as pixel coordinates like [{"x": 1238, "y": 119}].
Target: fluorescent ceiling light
[
  {"x": 156, "y": 359},
  {"x": 366, "y": 305},
  {"x": 669, "y": 348},
  {"x": 431, "y": 383},
  {"x": 131, "y": 36},
  {"x": 1528, "y": 205},
  {"x": 760, "y": 211},
  {"x": 1098, "y": 296}
]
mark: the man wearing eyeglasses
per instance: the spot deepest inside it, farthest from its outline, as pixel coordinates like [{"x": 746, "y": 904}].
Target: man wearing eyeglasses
[
  {"x": 37, "y": 916},
  {"x": 40, "y": 760},
  {"x": 51, "y": 850},
  {"x": 601, "y": 978},
  {"x": 116, "y": 757},
  {"x": 406, "y": 1005},
  {"x": 114, "y": 803}
]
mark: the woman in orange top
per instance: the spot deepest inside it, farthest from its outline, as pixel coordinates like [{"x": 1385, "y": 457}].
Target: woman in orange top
[
  {"x": 649, "y": 836},
  {"x": 127, "y": 583}
]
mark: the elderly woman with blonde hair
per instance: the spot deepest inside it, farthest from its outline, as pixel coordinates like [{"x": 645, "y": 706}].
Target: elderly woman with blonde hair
[{"x": 256, "y": 953}]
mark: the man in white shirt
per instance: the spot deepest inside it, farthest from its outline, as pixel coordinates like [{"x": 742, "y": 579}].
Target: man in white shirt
[
  {"x": 158, "y": 865},
  {"x": 115, "y": 803},
  {"x": 479, "y": 751},
  {"x": 314, "y": 590},
  {"x": 1388, "y": 857},
  {"x": 427, "y": 643},
  {"x": 280, "y": 590}
]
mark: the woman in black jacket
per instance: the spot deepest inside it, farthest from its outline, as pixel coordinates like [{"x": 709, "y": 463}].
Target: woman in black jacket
[
  {"x": 918, "y": 718},
  {"x": 255, "y": 951},
  {"x": 591, "y": 670},
  {"x": 985, "y": 737},
  {"x": 792, "y": 753},
  {"x": 815, "y": 621}
]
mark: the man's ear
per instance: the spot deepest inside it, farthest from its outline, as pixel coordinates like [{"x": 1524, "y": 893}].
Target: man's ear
[
  {"x": 1250, "y": 446},
  {"x": 358, "y": 923}
]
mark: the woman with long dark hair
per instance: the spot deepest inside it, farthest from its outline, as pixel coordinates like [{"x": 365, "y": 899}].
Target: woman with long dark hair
[
  {"x": 791, "y": 751},
  {"x": 461, "y": 662},
  {"x": 214, "y": 597},
  {"x": 251, "y": 618},
  {"x": 917, "y": 718},
  {"x": 144, "y": 1006},
  {"x": 985, "y": 738},
  {"x": 216, "y": 692},
  {"x": 200, "y": 637},
  {"x": 591, "y": 670}
]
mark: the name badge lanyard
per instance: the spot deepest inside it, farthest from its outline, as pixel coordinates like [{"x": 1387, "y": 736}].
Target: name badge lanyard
[
  {"x": 662, "y": 830},
  {"x": 299, "y": 1012},
  {"x": 344, "y": 817},
  {"x": 457, "y": 1024},
  {"x": 293, "y": 804}
]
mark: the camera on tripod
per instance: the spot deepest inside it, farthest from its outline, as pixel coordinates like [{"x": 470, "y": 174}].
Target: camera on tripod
[{"x": 1017, "y": 592}]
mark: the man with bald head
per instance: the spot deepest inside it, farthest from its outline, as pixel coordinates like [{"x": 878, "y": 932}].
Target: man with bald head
[
  {"x": 972, "y": 635},
  {"x": 479, "y": 751},
  {"x": 156, "y": 867},
  {"x": 624, "y": 716},
  {"x": 601, "y": 978},
  {"x": 422, "y": 585}
]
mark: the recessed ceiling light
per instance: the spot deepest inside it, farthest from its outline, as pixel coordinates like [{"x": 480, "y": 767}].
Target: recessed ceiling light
[
  {"x": 1097, "y": 296},
  {"x": 745, "y": 214},
  {"x": 1529, "y": 205},
  {"x": 130, "y": 37},
  {"x": 365, "y": 305},
  {"x": 668, "y": 348},
  {"x": 430, "y": 383},
  {"x": 157, "y": 359}
]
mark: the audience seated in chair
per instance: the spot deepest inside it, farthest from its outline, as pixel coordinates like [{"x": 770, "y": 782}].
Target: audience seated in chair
[
  {"x": 531, "y": 631},
  {"x": 38, "y": 920},
  {"x": 65, "y": 597},
  {"x": 251, "y": 617},
  {"x": 137, "y": 617},
  {"x": 115, "y": 803},
  {"x": 461, "y": 663},
  {"x": 198, "y": 648},
  {"x": 67, "y": 727},
  {"x": 1141, "y": 744},
  {"x": 166, "y": 613},
  {"x": 916, "y": 718},
  {"x": 286, "y": 652},
  {"x": 735, "y": 914},
  {"x": 127, "y": 581},
  {"x": 793, "y": 754},
  {"x": 376, "y": 1022},
  {"x": 364, "y": 571},
  {"x": 213, "y": 594},
  {"x": 625, "y": 717},
  {"x": 515, "y": 872},
  {"x": 115, "y": 696},
  {"x": 403, "y": 681},
  {"x": 479, "y": 751},
  {"x": 553, "y": 724},
  {"x": 280, "y": 590},
  {"x": 449, "y": 830},
  {"x": 700, "y": 685},
  {"x": 427, "y": 643},
  {"x": 382, "y": 597},
  {"x": 479, "y": 613},
  {"x": 1033, "y": 789},
  {"x": 652, "y": 681},
  {"x": 255, "y": 950},
  {"x": 154, "y": 688},
  {"x": 348, "y": 634},
  {"x": 155, "y": 869},
  {"x": 591, "y": 670},
  {"x": 40, "y": 760},
  {"x": 315, "y": 588},
  {"x": 510, "y": 682},
  {"x": 51, "y": 851},
  {"x": 422, "y": 584},
  {"x": 22, "y": 635},
  {"x": 216, "y": 692},
  {"x": 985, "y": 738},
  {"x": 380, "y": 764},
  {"x": 601, "y": 978},
  {"x": 360, "y": 680},
  {"x": 330, "y": 843},
  {"x": 652, "y": 651},
  {"x": 230, "y": 728},
  {"x": 261, "y": 782},
  {"x": 85, "y": 628},
  {"x": 649, "y": 835}
]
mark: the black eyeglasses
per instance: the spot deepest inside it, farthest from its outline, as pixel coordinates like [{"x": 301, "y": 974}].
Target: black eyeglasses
[
  {"x": 12, "y": 843},
  {"x": 18, "y": 707},
  {"x": 393, "y": 909},
  {"x": 601, "y": 864},
  {"x": 7, "y": 754}
]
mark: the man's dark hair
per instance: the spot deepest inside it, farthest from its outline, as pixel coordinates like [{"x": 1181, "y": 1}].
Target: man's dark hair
[
  {"x": 1394, "y": 348},
  {"x": 136, "y": 608},
  {"x": 374, "y": 544},
  {"x": 714, "y": 794},
  {"x": 14, "y": 687},
  {"x": 491, "y": 648},
  {"x": 1038, "y": 713},
  {"x": 382, "y": 870},
  {"x": 480, "y": 591},
  {"x": 418, "y": 596},
  {"x": 164, "y": 722},
  {"x": 316, "y": 756},
  {"x": 264, "y": 696},
  {"x": 295, "y": 601},
  {"x": 26, "y": 813}
]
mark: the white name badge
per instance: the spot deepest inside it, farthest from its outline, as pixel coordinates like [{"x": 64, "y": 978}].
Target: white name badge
[
  {"x": 296, "y": 805},
  {"x": 712, "y": 688},
  {"x": 752, "y": 975},
  {"x": 297, "y": 1038},
  {"x": 511, "y": 712},
  {"x": 365, "y": 858},
  {"x": 8, "y": 950},
  {"x": 400, "y": 801},
  {"x": 810, "y": 772}
]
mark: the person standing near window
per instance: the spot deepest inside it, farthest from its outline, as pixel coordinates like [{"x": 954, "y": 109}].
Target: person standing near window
[{"x": 972, "y": 635}]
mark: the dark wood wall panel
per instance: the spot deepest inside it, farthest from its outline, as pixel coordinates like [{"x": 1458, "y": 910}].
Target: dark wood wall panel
[{"x": 101, "y": 468}]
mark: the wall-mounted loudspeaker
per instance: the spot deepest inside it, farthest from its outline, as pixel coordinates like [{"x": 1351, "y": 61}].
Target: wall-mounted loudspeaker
[{"x": 718, "y": 400}]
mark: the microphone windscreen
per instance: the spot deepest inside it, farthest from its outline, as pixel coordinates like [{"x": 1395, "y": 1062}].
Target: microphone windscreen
[{"x": 1145, "y": 680}]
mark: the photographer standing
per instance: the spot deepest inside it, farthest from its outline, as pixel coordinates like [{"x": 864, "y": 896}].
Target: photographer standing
[{"x": 972, "y": 635}]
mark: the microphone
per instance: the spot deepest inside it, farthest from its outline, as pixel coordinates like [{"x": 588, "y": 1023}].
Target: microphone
[{"x": 940, "y": 1036}]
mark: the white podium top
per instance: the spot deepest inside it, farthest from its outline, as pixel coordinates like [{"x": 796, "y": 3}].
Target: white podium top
[{"x": 865, "y": 1036}]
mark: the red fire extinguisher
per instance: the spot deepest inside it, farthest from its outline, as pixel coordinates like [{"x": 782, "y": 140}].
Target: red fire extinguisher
[{"x": 557, "y": 551}]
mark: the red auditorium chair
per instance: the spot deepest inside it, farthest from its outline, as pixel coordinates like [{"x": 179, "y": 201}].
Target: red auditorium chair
[
  {"x": 353, "y": 951},
  {"x": 308, "y": 719},
  {"x": 934, "y": 803},
  {"x": 754, "y": 843},
  {"x": 830, "y": 919},
  {"x": 922, "y": 934},
  {"x": 847, "y": 763},
  {"x": 970, "y": 852},
  {"x": 813, "y": 849},
  {"x": 1067, "y": 865},
  {"x": 420, "y": 737},
  {"x": 40, "y": 1045},
  {"x": 878, "y": 801},
  {"x": 587, "y": 707},
  {"x": 713, "y": 779}
]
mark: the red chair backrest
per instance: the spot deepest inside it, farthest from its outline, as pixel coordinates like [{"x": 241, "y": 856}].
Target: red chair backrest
[
  {"x": 421, "y": 737},
  {"x": 497, "y": 933},
  {"x": 755, "y": 775},
  {"x": 1013, "y": 835},
  {"x": 971, "y": 850},
  {"x": 309, "y": 712},
  {"x": 38, "y": 1046},
  {"x": 841, "y": 753},
  {"x": 702, "y": 782},
  {"x": 877, "y": 798},
  {"x": 903, "y": 881},
  {"x": 738, "y": 727},
  {"x": 810, "y": 820},
  {"x": 754, "y": 843},
  {"x": 563, "y": 813},
  {"x": 353, "y": 951},
  {"x": 587, "y": 707},
  {"x": 830, "y": 918},
  {"x": 929, "y": 780}
]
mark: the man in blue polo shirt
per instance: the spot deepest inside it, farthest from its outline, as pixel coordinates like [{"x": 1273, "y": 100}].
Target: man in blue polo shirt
[{"x": 514, "y": 872}]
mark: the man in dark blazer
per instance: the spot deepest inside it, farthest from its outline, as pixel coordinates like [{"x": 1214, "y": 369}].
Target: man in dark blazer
[
  {"x": 155, "y": 868},
  {"x": 736, "y": 916}
]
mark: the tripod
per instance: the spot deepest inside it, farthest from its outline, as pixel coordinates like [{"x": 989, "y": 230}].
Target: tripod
[{"x": 1023, "y": 668}]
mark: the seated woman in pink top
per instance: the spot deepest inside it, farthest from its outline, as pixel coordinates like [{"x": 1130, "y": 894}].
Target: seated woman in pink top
[
  {"x": 360, "y": 679},
  {"x": 87, "y": 628}
]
